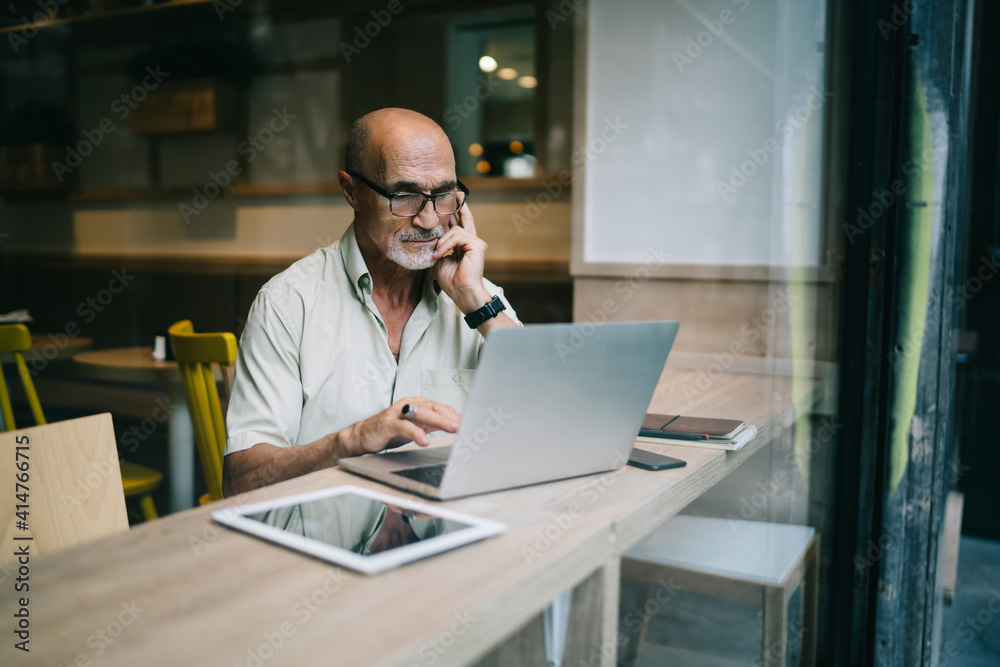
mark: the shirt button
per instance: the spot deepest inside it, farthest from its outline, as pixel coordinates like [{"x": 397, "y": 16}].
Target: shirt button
[
  {"x": 364, "y": 280},
  {"x": 456, "y": 377}
]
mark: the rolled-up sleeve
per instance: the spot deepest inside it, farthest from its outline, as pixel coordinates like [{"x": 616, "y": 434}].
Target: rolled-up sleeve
[
  {"x": 496, "y": 290},
  {"x": 266, "y": 401}
]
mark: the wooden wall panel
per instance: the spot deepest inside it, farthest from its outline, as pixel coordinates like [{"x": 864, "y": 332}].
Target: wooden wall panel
[{"x": 744, "y": 318}]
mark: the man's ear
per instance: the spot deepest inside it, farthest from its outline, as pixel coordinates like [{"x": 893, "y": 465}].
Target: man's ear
[{"x": 347, "y": 186}]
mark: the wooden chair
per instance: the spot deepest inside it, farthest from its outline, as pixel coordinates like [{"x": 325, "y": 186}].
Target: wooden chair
[
  {"x": 137, "y": 480},
  {"x": 16, "y": 339},
  {"x": 196, "y": 353},
  {"x": 73, "y": 481},
  {"x": 749, "y": 561}
]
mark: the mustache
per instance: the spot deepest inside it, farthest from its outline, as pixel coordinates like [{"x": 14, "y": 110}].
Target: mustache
[{"x": 422, "y": 234}]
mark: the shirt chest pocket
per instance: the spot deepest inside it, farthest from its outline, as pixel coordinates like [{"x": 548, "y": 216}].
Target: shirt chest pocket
[{"x": 446, "y": 385}]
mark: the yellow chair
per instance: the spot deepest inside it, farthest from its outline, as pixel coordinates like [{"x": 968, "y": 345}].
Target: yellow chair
[
  {"x": 15, "y": 338},
  {"x": 196, "y": 353},
  {"x": 137, "y": 480}
]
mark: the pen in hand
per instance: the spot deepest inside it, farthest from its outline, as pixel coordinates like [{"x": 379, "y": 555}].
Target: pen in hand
[{"x": 410, "y": 413}]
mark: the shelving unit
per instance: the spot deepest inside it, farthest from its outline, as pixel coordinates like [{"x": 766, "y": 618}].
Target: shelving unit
[
  {"x": 150, "y": 22},
  {"x": 287, "y": 189},
  {"x": 152, "y": 12},
  {"x": 91, "y": 53}
]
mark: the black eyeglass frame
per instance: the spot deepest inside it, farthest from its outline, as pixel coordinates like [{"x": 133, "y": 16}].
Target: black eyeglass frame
[{"x": 431, "y": 198}]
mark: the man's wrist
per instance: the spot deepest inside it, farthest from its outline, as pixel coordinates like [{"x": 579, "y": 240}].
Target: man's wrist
[
  {"x": 473, "y": 300},
  {"x": 339, "y": 445}
]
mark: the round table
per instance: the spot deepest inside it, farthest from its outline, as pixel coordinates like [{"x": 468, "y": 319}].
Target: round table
[
  {"x": 135, "y": 365},
  {"x": 46, "y": 348}
]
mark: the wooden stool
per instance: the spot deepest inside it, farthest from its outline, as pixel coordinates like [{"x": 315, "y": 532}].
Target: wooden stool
[{"x": 749, "y": 561}]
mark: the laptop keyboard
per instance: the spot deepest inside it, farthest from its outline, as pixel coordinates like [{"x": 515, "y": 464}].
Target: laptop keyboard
[{"x": 430, "y": 474}]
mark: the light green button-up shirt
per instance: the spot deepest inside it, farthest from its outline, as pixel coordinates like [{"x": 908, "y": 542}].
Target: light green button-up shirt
[{"x": 314, "y": 357}]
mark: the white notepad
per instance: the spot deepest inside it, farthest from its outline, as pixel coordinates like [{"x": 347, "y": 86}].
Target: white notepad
[{"x": 742, "y": 437}]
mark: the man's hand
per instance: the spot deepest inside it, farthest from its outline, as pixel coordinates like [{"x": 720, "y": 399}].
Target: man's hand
[
  {"x": 390, "y": 429},
  {"x": 265, "y": 464},
  {"x": 460, "y": 274}
]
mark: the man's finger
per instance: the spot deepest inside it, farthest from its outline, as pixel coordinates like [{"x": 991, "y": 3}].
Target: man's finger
[
  {"x": 427, "y": 414},
  {"x": 462, "y": 239},
  {"x": 455, "y": 232},
  {"x": 446, "y": 243},
  {"x": 448, "y": 411},
  {"x": 432, "y": 420},
  {"x": 465, "y": 220},
  {"x": 410, "y": 431}
]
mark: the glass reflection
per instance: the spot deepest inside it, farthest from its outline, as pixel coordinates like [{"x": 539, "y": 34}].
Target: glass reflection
[{"x": 358, "y": 524}]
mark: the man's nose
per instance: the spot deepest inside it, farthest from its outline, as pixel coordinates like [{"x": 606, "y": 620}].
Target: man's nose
[{"x": 428, "y": 217}]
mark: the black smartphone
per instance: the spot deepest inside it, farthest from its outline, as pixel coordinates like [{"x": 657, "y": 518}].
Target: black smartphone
[{"x": 640, "y": 458}]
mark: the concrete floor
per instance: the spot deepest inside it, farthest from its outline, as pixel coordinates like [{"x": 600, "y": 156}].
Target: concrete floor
[
  {"x": 692, "y": 630},
  {"x": 972, "y": 623}
]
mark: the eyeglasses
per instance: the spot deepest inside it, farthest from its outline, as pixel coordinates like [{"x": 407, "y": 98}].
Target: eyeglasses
[{"x": 409, "y": 204}]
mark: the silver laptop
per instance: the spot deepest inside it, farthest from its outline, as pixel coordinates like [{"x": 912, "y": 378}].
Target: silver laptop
[{"x": 549, "y": 401}]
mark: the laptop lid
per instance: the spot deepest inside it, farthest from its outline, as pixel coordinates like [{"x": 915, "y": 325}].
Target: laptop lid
[{"x": 552, "y": 401}]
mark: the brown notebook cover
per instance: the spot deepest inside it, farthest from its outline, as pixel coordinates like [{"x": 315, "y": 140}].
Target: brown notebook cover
[
  {"x": 707, "y": 425},
  {"x": 667, "y": 424},
  {"x": 657, "y": 422}
]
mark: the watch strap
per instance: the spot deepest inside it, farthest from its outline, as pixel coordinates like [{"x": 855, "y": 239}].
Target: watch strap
[{"x": 487, "y": 312}]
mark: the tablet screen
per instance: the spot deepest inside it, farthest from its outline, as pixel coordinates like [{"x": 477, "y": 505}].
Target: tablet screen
[
  {"x": 359, "y": 524},
  {"x": 359, "y": 528}
]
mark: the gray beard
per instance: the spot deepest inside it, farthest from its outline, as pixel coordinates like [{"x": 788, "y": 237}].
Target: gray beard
[
  {"x": 418, "y": 261},
  {"x": 422, "y": 259}
]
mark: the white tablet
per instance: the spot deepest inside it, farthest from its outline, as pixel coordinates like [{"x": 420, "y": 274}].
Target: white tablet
[{"x": 358, "y": 528}]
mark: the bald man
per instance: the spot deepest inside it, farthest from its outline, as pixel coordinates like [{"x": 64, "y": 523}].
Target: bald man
[{"x": 393, "y": 315}]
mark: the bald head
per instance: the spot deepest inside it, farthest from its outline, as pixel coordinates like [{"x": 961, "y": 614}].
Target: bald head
[{"x": 388, "y": 134}]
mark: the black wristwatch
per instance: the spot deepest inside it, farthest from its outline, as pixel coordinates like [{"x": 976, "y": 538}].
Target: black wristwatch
[{"x": 489, "y": 311}]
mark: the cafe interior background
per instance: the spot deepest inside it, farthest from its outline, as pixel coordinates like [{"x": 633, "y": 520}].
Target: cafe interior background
[{"x": 807, "y": 186}]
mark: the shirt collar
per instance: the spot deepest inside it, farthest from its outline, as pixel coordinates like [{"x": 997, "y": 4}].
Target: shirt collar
[
  {"x": 357, "y": 270},
  {"x": 354, "y": 263},
  {"x": 433, "y": 284}
]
